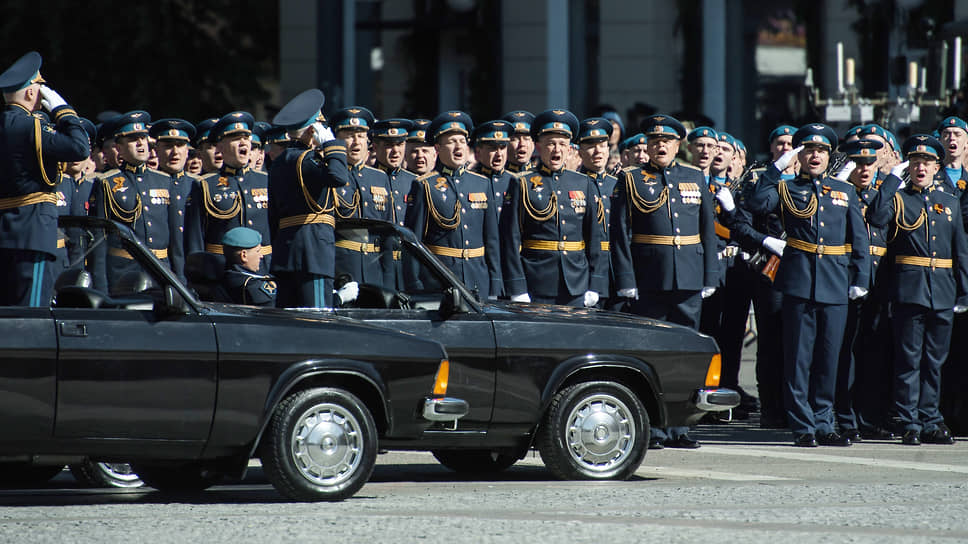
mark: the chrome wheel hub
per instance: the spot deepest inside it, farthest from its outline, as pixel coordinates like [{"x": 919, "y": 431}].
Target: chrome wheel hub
[
  {"x": 600, "y": 433},
  {"x": 327, "y": 445}
]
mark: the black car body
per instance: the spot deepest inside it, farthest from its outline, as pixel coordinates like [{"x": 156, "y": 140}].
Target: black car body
[
  {"x": 519, "y": 366},
  {"x": 187, "y": 392}
]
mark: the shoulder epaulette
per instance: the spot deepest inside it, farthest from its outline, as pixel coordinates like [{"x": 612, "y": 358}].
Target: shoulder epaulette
[
  {"x": 108, "y": 173},
  {"x": 209, "y": 175},
  {"x": 195, "y": 177},
  {"x": 573, "y": 171},
  {"x": 428, "y": 175},
  {"x": 475, "y": 173},
  {"x": 687, "y": 165},
  {"x": 160, "y": 172},
  {"x": 632, "y": 168}
]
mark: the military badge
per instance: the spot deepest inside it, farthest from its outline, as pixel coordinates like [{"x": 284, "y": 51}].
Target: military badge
[
  {"x": 223, "y": 181},
  {"x": 962, "y": 184},
  {"x": 440, "y": 184},
  {"x": 118, "y": 185},
  {"x": 536, "y": 182},
  {"x": 938, "y": 208}
]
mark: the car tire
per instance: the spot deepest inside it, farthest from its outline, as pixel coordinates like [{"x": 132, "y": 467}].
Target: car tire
[
  {"x": 321, "y": 445},
  {"x": 594, "y": 431},
  {"x": 93, "y": 474},
  {"x": 21, "y": 475},
  {"x": 187, "y": 478},
  {"x": 475, "y": 461}
]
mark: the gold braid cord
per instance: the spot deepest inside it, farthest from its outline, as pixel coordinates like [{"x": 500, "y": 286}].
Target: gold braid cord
[
  {"x": 311, "y": 203},
  {"x": 601, "y": 211},
  {"x": 447, "y": 223},
  {"x": 899, "y": 219},
  {"x": 640, "y": 203},
  {"x": 115, "y": 209},
  {"x": 551, "y": 210},
  {"x": 353, "y": 205},
  {"x": 214, "y": 211},
  {"x": 787, "y": 201},
  {"x": 40, "y": 157}
]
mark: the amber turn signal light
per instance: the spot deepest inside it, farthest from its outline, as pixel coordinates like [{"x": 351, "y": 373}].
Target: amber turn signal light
[
  {"x": 714, "y": 371},
  {"x": 443, "y": 374}
]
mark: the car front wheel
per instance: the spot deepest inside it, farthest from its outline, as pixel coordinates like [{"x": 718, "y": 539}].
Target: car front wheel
[
  {"x": 594, "y": 431},
  {"x": 321, "y": 445}
]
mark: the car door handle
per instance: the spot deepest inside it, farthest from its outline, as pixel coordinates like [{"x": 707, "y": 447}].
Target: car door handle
[{"x": 73, "y": 329}]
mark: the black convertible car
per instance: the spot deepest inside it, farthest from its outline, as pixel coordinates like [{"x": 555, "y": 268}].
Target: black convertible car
[
  {"x": 582, "y": 386},
  {"x": 188, "y": 392}
]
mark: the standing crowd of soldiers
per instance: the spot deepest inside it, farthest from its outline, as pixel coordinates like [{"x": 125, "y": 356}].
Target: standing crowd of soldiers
[{"x": 542, "y": 209}]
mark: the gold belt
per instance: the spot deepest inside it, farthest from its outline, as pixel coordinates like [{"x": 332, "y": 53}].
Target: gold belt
[
  {"x": 457, "y": 253},
  {"x": 118, "y": 252},
  {"x": 605, "y": 246},
  {"x": 359, "y": 247},
  {"x": 818, "y": 249},
  {"x": 61, "y": 243},
  {"x": 662, "y": 240},
  {"x": 878, "y": 251},
  {"x": 308, "y": 219},
  {"x": 923, "y": 261},
  {"x": 396, "y": 255},
  {"x": 551, "y": 245},
  {"x": 219, "y": 249},
  {"x": 27, "y": 200}
]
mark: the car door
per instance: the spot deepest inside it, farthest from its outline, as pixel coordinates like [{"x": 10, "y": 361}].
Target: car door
[{"x": 28, "y": 363}]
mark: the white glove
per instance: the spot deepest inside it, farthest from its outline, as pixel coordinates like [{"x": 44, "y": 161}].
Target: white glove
[
  {"x": 707, "y": 292},
  {"x": 899, "y": 169},
  {"x": 591, "y": 298},
  {"x": 523, "y": 297},
  {"x": 348, "y": 292},
  {"x": 725, "y": 197},
  {"x": 845, "y": 171},
  {"x": 774, "y": 245},
  {"x": 960, "y": 308},
  {"x": 322, "y": 134},
  {"x": 632, "y": 293},
  {"x": 49, "y": 98},
  {"x": 855, "y": 292},
  {"x": 785, "y": 158}
]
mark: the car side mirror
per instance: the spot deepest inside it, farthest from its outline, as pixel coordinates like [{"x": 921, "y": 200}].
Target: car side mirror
[
  {"x": 170, "y": 302},
  {"x": 453, "y": 302}
]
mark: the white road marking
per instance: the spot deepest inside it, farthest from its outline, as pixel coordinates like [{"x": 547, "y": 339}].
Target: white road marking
[
  {"x": 653, "y": 472},
  {"x": 866, "y": 461}
]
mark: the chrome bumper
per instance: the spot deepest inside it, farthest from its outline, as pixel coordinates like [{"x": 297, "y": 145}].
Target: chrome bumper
[
  {"x": 448, "y": 408},
  {"x": 715, "y": 400}
]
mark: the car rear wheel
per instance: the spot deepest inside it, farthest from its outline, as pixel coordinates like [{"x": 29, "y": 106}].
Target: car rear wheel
[
  {"x": 92, "y": 474},
  {"x": 321, "y": 445},
  {"x": 19, "y": 475},
  {"x": 177, "y": 479},
  {"x": 475, "y": 461},
  {"x": 594, "y": 431}
]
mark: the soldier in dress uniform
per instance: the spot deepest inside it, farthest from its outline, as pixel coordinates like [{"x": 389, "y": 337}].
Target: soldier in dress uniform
[
  {"x": 172, "y": 137},
  {"x": 704, "y": 146},
  {"x": 521, "y": 144},
  {"x": 276, "y": 142},
  {"x": 825, "y": 263},
  {"x": 594, "y": 135},
  {"x": 930, "y": 283},
  {"x": 302, "y": 203},
  {"x": 28, "y": 215},
  {"x": 550, "y": 233},
  {"x": 663, "y": 240},
  {"x": 244, "y": 280},
  {"x": 450, "y": 209},
  {"x": 389, "y": 145},
  {"x": 421, "y": 157},
  {"x": 205, "y": 148},
  {"x": 73, "y": 195},
  {"x": 232, "y": 197},
  {"x": 636, "y": 150},
  {"x": 257, "y": 155},
  {"x": 491, "y": 141},
  {"x": 136, "y": 196}
]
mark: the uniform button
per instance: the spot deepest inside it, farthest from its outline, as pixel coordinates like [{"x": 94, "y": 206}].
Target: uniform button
[
  {"x": 821, "y": 240},
  {"x": 933, "y": 253},
  {"x": 467, "y": 242},
  {"x": 250, "y": 221},
  {"x": 672, "y": 199},
  {"x": 148, "y": 223},
  {"x": 146, "y": 208},
  {"x": 562, "y": 207},
  {"x": 465, "y": 226},
  {"x": 139, "y": 178},
  {"x": 562, "y": 221},
  {"x": 564, "y": 237},
  {"x": 675, "y": 214},
  {"x": 932, "y": 221},
  {"x": 934, "y": 237},
  {"x": 559, "y": 192},
  {"x": 821, "y": 223},
  {"x": 248, "y": 205},
  {"x": 179, "y": 212},
  {"x": 463, "y": 210},
  {"x": 677, "y": 230}
]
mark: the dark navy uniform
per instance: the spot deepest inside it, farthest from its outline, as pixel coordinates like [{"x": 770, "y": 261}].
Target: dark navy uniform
[
  {"x": 401, "y": 181},
  {"x": 521, "y": 123},
  {"x": 248, "y": 287},
  {"x": 827, "y": 252},
  {"x": 28, "y": 203},
  {"x": 929, "y": 277},
  {"x": 594, "y": 131},
  {"x": 182, "y": 183}
]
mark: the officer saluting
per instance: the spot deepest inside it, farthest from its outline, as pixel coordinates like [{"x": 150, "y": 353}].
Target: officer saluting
[
  {"x": 930, "y": 282},
  {"x": 28, "y": 216},
  {"x": 551, "y": 238},
  {"x": 825, "y": 261},
  {"x": 301, "y": 205}
]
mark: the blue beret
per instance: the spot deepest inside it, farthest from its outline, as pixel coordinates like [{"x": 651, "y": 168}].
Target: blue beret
[
  {"x": 127, "y": 124},
  {"x": 854, "y": 131},
  {"x": 953, "y": 122},
  {"x": 595, "y": 129},
  {"x": 395, "y": 130},
  {"x": 172, "y": 129},
  {"x": 355, "y": 118},
  {"x": 418, "y": 132},
  {"x": 302, "y": 111},
  {"x": 561, "y": 122},
  {"x": 862, "y": 150},
  {"x": 922, "y": 144},
  {"x": 782, "y": 130},
  {"x": 727, "y": 138},
  {"x": 24, "y": 72},
  {"x": 614, "y": 116},
  {"x": 242, "y": 238},
  {"x": 449, "y": 121},
  {"x": 237, "y": 122},
  {"x": 891, "y": 140},
  {"x": 702, "y": 132},
  {"x": 90, "y": 129},
  {"x": 521, "y": 121},
  {"x": 662, "y": 125},
  {"x": 259, "y": 132},
  {"x": 203, "y": 129},
  {"x": 492, "y": 131},
  {"x": 816, "y": 133},
  {"x": 635, "y": 139}
]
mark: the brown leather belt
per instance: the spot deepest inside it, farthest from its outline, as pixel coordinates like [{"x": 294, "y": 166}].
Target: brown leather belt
[
  {"x": 662, "y": 240},
  {"x": 118, "y": 252},
  {"x": 552, "y": 245},
  {"x": 219, "y": 249},
  {"x": 27, "y": 200},
  {"x": 929, "y": 262},
  {"x": 457, "y": 253},
  {"x": 359, "y": 247},
  {"x": 821, "y": 249},
  {"x": 308, "y": 219}
]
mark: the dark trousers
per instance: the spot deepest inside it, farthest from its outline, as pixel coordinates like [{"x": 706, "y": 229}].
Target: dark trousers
[
  {"x": 297, "y": 290},
  {"x": 812, "y": 336},
  {"x": 921, "y": 337},
  {"x": 873, "y": 389},
  {"x": 844, "y": 388},
  {"x": 682, "y": 307},
  {"x": 27, "y": 277},
  {"x": 740, "y": 287},
  {"x": 767, "y": 309},
  {"x": 954, "y": 376}
]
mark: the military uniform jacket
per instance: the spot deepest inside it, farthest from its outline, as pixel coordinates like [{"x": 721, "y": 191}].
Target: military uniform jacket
[
  {"x": 876, "y": 235},
  {"x": 823, "y": 217},
  {"x": 727, "y": 244},
  {"x": 247, "y": 287},
  {"x": 181, "y": 188},
  {"x": 959, "y": 189},
  {"x": 301, "y": 207},
  {"x": 359, "y": 254},
  {"x": 927, "y": 244},
  {"x": 605, "y": 186},
  {"x": 550, "y": 233},
  {"x": 452, "y": 212},
  {"x": 30, "y": 149},
  {"x": 763, "y": 224},
  {"x": 663, "y": 234},
  {"x": 223, "y": 200},
  {"x": 499, "y": 183},
  {"x": 400, "y": 183}
]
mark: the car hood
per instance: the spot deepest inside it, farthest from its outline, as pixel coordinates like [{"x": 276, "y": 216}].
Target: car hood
[{"x": 567, "y": 314}]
